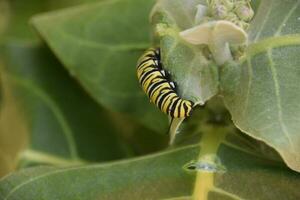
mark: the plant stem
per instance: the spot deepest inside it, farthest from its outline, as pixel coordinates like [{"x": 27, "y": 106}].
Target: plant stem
[{"x": 210, "y": 142}]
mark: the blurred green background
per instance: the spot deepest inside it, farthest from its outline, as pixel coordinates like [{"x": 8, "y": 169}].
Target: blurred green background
[{"x": 48, "y": 115}]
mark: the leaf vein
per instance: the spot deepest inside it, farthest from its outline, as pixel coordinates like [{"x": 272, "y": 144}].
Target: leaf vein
[
  {"x": 98, "y": 45},
  {"x": 263, "y": 24},
  {"x": 250, "y": 74},
  {"x": 228, "y": 194},
  {"x": 187, "y": 81},
  {"x": 287, "y": 18},
  {"x": 278, "y": 99}
]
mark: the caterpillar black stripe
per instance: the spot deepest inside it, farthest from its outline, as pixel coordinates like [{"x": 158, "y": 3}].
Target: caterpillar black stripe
[{"x": 160, "y": 89}]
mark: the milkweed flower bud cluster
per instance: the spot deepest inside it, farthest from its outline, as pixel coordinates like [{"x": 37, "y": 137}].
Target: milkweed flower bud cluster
[
  {"x": 238, "y": 12},
  {"x": 222, "y": 26}
]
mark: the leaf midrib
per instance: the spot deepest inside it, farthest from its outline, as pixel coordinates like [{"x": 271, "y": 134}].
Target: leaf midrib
[
  {"x": 98, "y": 45},
  {"x": 278, "y": 100},
  {"x": 28, "y": 85}
]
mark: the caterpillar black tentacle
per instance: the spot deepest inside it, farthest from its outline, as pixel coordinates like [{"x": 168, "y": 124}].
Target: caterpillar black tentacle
[{"x": 161, "y": 91}]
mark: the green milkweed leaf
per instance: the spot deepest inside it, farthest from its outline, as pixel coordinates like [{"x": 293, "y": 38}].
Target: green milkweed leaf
[
  {"x": 15, "y": 16},
  {"x": 53, "y": 126},
  {"x": 261, "y": 92},
  {"x": 255, "y": 4},
  {"x": 246, "y": 174},
  {"x": 50, "y": 119},
  {"x": 55, "y": 109},
  {"x": 101, "y": 52}
]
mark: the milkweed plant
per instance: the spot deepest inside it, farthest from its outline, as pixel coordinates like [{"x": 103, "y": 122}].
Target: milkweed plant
[{"x": 156, "y": 99}]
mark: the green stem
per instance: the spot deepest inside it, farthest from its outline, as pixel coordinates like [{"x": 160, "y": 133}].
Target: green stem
[
  {"x": 210, "y": 142},
  {"x": 270, "y": 43}
]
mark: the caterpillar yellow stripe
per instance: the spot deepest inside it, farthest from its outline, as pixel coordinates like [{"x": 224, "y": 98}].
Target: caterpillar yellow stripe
[{"x": 161, "y": 91}]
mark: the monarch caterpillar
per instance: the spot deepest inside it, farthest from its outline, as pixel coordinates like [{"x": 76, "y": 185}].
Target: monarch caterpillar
[{"x": 161, "y": 91}]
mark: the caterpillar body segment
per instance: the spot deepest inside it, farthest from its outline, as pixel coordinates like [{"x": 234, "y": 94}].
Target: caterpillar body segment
[{"x": 161, "y": 91}]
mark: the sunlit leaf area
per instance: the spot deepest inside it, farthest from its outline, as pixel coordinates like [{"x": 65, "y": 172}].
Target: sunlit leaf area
[{"x": 75, "y": 123}]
